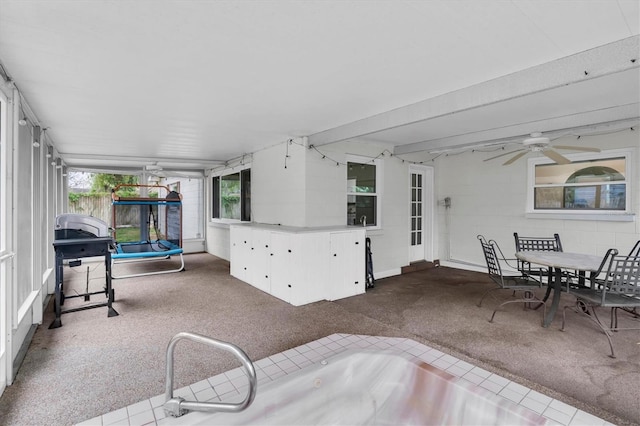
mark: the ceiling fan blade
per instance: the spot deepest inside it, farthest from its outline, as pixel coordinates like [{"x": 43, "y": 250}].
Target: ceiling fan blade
[
  {"x": 557, "y": 157},
  {"x": 515, "y": 157},
  {"x": 502, "y": 155},
  {"x": 577, "y": 148}
]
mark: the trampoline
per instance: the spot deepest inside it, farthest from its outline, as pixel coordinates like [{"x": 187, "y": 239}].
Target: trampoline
[{"x": 147, "y": 228}]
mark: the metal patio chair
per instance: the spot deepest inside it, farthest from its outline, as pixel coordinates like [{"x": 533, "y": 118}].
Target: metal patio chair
[
  {"x": 619, "y": 290},
  {"x": 516, "y": 282},
  {"x": 536, "y": 244}
]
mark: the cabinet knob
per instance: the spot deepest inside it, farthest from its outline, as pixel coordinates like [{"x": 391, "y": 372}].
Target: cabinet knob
[
  {"x": 289, "y": 285},
  {"x": 334, "y": 254},
  {"x": 289, "y": 251},
  {"x": 357, "y": 242}
]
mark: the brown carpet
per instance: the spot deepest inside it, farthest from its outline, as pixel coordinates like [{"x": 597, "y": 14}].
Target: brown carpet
[{"x": 94, "y": 364}]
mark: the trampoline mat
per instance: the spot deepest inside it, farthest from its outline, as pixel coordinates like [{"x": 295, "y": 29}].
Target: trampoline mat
[{"x": 142, "y": 248}]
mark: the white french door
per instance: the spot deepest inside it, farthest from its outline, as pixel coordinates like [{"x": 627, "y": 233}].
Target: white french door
[{"x": 420, "y": 213}]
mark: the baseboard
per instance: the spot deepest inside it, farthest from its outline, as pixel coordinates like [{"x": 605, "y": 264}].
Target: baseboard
[
  {"x": 386, "y": 274},
  {"x": 22, "y": 353},
  {"x": 459, "y": 264}
]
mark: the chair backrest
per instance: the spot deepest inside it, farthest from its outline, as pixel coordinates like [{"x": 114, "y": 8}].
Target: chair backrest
[
  {"x": 537, "y": 243},
  {"x": 623, "y": 276},
  {"x": 490, "y": 256}
]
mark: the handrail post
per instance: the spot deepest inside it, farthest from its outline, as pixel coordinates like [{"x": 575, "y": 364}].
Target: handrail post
[{"x": 176, "y": 407}]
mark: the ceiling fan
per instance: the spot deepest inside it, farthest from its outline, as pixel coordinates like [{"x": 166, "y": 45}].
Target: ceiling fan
[{"x": 539, "y": 143}]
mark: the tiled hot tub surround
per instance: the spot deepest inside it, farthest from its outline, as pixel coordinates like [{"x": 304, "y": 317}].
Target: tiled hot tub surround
[{"x": 231, "y": 386}]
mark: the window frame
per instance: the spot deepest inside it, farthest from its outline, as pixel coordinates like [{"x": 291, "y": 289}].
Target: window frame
[
  {"x": 579, "y": 214},
  {"x": 215, "y": 193},
  {"x": 378, "y": 163}
]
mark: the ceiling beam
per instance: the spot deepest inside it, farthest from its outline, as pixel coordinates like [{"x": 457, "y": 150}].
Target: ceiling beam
[{"x": 598, "y": 62}]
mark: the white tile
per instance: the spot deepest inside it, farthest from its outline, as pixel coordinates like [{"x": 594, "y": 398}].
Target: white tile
[
  {"x": 498, "y": 380},
  {"x": 185, "y": 393},
  {"x": 291, "y": 353},
  {"x": 115, "y": 416},
  {"x": 563, "y": 408},
  {"x": 518, "y": 388},
  {"x": 383, "y": 345},
  {"x": 450, "y": 359},
  {"x": 159, "y": 413},
  {"x": 158, "y": 400},
  {"x": 206, "y": 394},
  {"x": 582, "y": 419},
  {"x": 441, "y": 363},
  {"x": 481, "y": 372},
  {"x": 314, "y": 345},
  {"x": 216, "y": 380},
  {"x": 272, "y": 370},
  {"x": 436, "y": 353},
  {"x": 456, "y": 370},
  {"x": 533, "y": 404},
  {"x": 557, "y": 416},
  {"x": 142, "y": 418},
  {"x": 199, "y": 386},
  {"x": 236, "y": 372},
  {"x": 299, "y": 359},
  {"x": 224, "y": 388},
  {"x": 277, "y": 358},
  {"x": 465, "y": 365},
  {"x": 511, "y": 395},
  {"x": 303, "y": 349},
  {"x": 139, "y": 407},
  {"x": 239, "y": 382},
  {"x": 537, "y": 396},
  {"x": 334, "y": 346},
  {"x": 473, "y": 378},
  {"x": 428, "y": 357},
  {"x": 491, "y": 386},
  {"x": 287, "y": 363},
  {"x": 264, "y": 362}
]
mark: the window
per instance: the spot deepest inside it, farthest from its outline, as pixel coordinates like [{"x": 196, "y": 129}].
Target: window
[
  {"x": 232, "y": 196},
  {"x": 592, "y": 183},
  {"x": 363, "y": 192}
]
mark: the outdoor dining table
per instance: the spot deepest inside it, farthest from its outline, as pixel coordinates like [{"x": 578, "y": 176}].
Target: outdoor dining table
[{"x": 560, "y": 261}]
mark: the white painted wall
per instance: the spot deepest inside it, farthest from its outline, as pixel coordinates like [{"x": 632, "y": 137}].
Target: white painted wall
[
  {"x": 311, "y": 192},
  {"x": 490, "y": 199}
]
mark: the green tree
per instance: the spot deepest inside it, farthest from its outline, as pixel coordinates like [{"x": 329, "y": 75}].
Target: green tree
[{"x": 104, "y": 183}]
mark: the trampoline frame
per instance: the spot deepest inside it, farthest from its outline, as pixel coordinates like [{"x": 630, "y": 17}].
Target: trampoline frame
[{"x": 122, "y": 256}]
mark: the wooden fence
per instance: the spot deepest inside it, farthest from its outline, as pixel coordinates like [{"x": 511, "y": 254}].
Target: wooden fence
[{"x": 100, "y": 207}]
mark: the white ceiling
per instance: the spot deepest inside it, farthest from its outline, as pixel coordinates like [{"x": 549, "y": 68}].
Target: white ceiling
[{"x": 128, "y": 83}]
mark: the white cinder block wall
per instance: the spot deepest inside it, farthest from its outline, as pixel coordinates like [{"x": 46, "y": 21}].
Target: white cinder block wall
[
  {"x": 311, "y": 192},
  {"x": 490, "y": 199},
  {"x": 487, "y": 198}
]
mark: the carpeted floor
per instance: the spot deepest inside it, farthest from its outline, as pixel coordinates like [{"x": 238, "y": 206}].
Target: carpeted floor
[{"x": 94, "y": 364}]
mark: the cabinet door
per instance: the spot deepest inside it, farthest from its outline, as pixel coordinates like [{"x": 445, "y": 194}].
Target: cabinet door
[
  {"x": 312, "y": 278},
  {"x": 260, "y": 260},
  {"x": 347, "y": 264},
  {"x": 240, "y": 252},
  {"x": 282, "y": 263}
]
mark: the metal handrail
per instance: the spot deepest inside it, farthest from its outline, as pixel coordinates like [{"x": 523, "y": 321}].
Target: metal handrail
[{"x": 177, "y": 406}]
